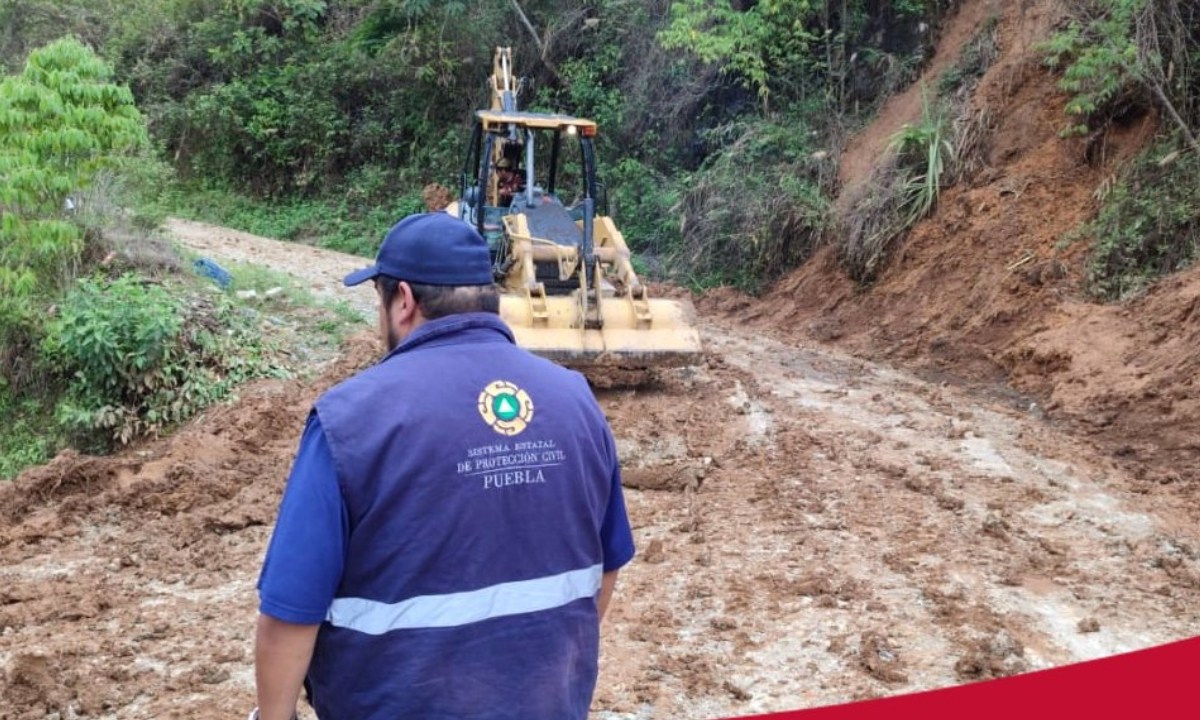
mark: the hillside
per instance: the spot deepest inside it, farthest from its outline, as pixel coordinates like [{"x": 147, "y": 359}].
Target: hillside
[{"x": 989, "y": 293}]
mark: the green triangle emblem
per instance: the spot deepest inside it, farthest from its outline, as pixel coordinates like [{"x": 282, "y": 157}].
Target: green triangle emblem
[{"x": 506, "y": 407}]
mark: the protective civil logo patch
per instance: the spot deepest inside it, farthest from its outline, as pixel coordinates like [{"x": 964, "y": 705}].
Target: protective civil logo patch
[{"x": 505, "y": 407}]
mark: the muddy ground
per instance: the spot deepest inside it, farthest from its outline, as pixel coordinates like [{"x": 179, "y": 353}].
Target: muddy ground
[{"x": 812, "y": 529}]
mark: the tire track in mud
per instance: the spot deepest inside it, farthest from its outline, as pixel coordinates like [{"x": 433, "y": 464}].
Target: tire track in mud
[
  {"x": 811, "y": 528},
  {"x": 858, "y": 532}
]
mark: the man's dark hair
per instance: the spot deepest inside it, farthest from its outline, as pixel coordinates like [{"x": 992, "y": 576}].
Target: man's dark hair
[{"x": 438, "y": 301}]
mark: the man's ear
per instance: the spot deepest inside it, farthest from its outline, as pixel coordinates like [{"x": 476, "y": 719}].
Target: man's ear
[{"x": 404, "y": 305}]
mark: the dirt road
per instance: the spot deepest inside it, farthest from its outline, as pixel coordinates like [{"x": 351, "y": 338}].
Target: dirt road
[{"x": 812, "y": 529}]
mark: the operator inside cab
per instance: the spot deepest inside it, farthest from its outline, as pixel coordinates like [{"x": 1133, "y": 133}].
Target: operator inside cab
[{"x": 509, "y": 180}]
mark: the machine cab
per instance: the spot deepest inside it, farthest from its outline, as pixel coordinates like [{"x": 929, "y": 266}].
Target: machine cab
[{"x": 540, "y": 165}]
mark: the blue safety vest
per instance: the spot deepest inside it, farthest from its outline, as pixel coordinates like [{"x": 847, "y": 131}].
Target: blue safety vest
[{"x": 476, "y": 478}]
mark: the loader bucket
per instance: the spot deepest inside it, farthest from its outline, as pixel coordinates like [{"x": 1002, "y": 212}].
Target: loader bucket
[{"x": 669, "y": 339}]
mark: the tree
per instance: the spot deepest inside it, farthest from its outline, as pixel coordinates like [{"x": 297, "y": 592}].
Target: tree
[
  {"x": 754, "y": 43},
  {"x": 61, "y": 122}
]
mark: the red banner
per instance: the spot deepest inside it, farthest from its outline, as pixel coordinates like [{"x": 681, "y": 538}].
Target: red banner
[{"x": 1160, "y": 682}]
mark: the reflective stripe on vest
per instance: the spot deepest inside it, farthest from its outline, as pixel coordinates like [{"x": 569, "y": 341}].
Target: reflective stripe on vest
[{"x": 461, "y": 608}]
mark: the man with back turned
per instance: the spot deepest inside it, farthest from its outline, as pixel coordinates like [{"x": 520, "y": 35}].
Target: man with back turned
[{"x": 453, "y": 524}]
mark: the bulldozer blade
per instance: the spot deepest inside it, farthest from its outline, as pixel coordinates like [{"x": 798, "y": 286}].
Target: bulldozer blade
[{"x": 557, "y": 332}]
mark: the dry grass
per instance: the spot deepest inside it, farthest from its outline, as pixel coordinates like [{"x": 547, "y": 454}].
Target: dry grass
[
  {"x": 874, "y": 222},
  {"x": 748, "y": 243},
  {"x": 971, "y": 128}
]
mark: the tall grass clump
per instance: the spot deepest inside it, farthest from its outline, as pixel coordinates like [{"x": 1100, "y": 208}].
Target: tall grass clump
[{"x": 901, "y": 191}]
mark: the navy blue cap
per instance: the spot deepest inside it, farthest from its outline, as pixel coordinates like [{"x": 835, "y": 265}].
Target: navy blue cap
[{"x": 430, "y": 249}]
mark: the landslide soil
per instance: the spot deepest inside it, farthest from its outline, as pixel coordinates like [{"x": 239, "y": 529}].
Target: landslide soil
[
  {"x": 991, "y": 289},
  {"x": 1012, "y": 488},
  {"x": 812, "y": 529}
]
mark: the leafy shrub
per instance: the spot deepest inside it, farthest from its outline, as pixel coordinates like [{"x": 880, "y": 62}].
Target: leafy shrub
[
  {"x": 137, "y": 358},
  {"x": 787, "y": 50},
  {"x": 644, "y": 205},
  {"x": 589, "y": 91},
  {"x": 289, "y": 99},
  {"x": 1149, "y": 225},
  {"x": 1122, "y": 55},
  {"x": 752, "y": 44},
  {"x": 1096, "y": 51}
]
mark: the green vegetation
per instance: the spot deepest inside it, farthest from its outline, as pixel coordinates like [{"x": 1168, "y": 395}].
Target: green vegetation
[
  {"x": 747, "y": 229},
  {"x": 63, "y": 123},
  {"x": 903, "y": 189},
  {"x": 1098, "y": 55},
  {"x": 320, "y": 121},
  {"x": 647, "y": 203},
  {"x": 125, "y": 356},
  {"x": 141, "y": 357},
  {"x": 1120, "y": 58},
  {"x": 133, "y": 347},
  {"x": 328, "y": 224},
  {"x": 923, "y": 158},
  {"x": 762, "y": 45},
  {"x": 30, "y": 435},
  {"x": 923, "y": 151},
  {"x": 338, "y": 102},
  {"x": 1121, "y": 54},
  {"x": 816, "y": 71},
  {"x": 789, "y": 50},
  {"x": 72, "y": 143},
  {"x": 1149, "y": 225},
  {"x": 307, "y": 328}
]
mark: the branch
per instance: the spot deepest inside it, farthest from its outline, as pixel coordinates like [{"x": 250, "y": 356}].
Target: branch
[
  {"x": 1174, "y": 113},
  {"x": 1149, "y": 72},
  {"x": 529, "y": 26},
  {"x": 542, "y": 48}
]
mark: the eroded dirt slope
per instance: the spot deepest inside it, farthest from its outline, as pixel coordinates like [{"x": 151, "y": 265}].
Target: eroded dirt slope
[
  {"x": 990, "y": 288},
  {"x": 812, "y": 529}
]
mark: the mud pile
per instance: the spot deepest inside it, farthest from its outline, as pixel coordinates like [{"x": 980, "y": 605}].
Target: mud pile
[
  {"x": 812, "y": 529},
  {"x": 126, "y": 583}
]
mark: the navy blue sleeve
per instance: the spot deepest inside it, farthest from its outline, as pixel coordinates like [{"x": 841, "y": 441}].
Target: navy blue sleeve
[
  {"x": 304, "y": 561},
  {"x": 616, "y": 536}
]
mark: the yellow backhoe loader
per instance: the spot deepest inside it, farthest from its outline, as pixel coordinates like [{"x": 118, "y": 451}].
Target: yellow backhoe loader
[{"x": 569, "y": 290}]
